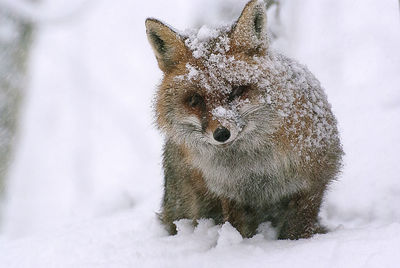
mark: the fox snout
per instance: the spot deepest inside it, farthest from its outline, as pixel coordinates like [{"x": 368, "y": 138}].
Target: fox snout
[{"x": 221, "y": 134}]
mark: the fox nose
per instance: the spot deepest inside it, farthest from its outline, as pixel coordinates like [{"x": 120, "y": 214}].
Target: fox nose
[{"x": 221, "y": 134}]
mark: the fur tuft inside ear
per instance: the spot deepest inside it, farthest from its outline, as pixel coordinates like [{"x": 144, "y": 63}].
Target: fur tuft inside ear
[
  {"x": 250, "y": 30},
  {"x": 157, "y": 42},
  {"x": 166, "y": 43},
  {"x": 259, "y": 22}
]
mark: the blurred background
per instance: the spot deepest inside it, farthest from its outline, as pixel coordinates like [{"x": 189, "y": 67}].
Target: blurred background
[{"x": 77, "y": 78}]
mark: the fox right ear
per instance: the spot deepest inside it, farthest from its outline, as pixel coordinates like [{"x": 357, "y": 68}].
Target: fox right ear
[
  {"x": 249, "y": 31},
  {"x": 166, "y": 43}
]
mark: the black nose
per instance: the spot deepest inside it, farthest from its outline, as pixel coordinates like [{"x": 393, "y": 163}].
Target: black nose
[{"x": 221, "y": 134}]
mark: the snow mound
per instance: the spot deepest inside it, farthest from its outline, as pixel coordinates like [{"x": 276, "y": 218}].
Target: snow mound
[{"x": 123, "y": 241}]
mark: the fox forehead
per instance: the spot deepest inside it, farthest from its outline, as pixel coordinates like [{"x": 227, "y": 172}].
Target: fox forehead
[
  {"x": 216, "y": 65},
  {"x": 206, "y": 41},
  {"x": 216, "y": 58}
]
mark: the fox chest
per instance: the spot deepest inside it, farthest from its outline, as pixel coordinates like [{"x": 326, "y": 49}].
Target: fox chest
[{"x": 246, "y": 179}]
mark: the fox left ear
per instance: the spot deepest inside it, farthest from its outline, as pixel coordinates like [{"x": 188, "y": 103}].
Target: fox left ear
[
  {"x": 166, "y": 43},
  {"x": 249, "y": 32}
]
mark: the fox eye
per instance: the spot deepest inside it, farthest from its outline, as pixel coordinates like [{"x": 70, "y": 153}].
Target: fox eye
[
  {"x": 238, "y": 91},
  {"x": 195, "y": 100}
]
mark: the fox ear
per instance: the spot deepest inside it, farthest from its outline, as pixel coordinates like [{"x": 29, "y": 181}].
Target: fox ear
[
  {"x": 249, "y": 31},
  {"x": 166, "y": 43}
]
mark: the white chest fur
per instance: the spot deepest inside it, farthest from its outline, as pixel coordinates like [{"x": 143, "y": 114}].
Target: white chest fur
[{"x": 256, "y": 177}]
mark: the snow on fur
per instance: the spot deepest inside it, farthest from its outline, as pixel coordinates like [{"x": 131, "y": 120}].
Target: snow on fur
[{"x": 289, "y": 87}]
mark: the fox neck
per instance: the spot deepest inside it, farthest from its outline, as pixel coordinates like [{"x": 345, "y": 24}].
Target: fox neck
[{"x": 253, "y": 177}]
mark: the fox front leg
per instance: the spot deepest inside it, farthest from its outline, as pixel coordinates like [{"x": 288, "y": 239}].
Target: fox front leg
[
  {"x": 301, "y": 217},
  {"x": 243, "y": 218}
]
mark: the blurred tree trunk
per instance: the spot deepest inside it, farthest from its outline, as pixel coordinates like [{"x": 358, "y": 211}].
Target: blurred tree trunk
[{"x": 15, "y": 41}]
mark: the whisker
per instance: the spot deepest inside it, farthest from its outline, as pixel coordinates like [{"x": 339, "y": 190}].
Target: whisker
[{"x": 251, "y": 110}]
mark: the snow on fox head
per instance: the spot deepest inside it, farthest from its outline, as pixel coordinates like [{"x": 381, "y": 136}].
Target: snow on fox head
[
  {"x": 224, "y": 87},
  {"x": 211, "y": 77}
]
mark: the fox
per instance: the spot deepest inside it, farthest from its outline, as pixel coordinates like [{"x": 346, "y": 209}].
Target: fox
[{"x": 250, "y": 136}]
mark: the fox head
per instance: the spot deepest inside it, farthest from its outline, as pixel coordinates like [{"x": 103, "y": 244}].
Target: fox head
[{"x": 213, "y": 89}]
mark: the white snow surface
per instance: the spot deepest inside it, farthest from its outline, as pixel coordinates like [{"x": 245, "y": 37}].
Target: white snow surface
[
  {"x": 125, "y": 241},
  {"x": 87, "y": 181}
]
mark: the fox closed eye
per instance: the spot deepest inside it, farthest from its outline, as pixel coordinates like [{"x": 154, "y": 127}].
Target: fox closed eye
[
  {"x": 238, "y": 91},
  {"x": 195, "y": 100}
]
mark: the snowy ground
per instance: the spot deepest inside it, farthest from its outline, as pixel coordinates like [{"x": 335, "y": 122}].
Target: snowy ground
[{"x": 87, "y": 178}]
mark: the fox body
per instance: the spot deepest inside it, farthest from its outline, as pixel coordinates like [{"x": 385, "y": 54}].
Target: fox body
[{"x": 250, "y": 136}]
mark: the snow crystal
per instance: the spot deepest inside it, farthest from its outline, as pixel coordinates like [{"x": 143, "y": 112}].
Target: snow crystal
[
  {"x": 205, "y": 33},
  {"x": 222, "y": 112},
  {"x": 193, "y": 72},
  {"x": 198, "y": 41},
  {"x": 268, "y": 99}
]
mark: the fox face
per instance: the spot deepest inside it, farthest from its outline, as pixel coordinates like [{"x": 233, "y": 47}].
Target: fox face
[
  {"x": 213, "y": 111},
  {"x": 213, "y": 87}
]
